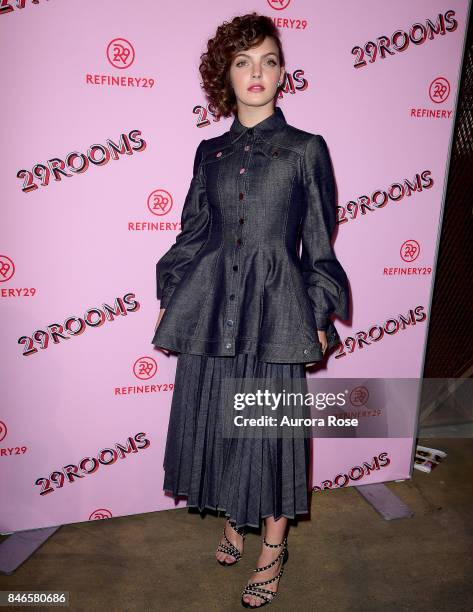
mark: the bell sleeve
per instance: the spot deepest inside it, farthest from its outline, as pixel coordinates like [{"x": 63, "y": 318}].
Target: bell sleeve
[
  {"x": 324, "y": 277},
  {"x": 172, "y": 266}
]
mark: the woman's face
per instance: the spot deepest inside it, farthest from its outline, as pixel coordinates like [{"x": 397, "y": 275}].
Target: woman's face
[{"x": 254, "y": 74}]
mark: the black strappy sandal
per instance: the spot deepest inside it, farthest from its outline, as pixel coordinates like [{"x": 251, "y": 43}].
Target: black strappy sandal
[
  {"x": 229, "y": 548},
  {"x": 254, "y": 588}
]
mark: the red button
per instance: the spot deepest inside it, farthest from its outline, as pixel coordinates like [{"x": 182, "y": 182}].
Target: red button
[{"x": 241, "y": 196}]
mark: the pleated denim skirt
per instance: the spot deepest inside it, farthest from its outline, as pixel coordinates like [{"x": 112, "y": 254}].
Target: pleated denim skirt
[{"x": 247, "y": 478}]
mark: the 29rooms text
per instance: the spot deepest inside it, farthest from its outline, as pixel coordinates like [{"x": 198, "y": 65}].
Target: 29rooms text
[
  {"x": 75, "y": 326},
  {"x": 76, "y": 162}
]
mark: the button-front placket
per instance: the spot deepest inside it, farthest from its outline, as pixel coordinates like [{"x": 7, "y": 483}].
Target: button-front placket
[{"x": 242, "y": 185}]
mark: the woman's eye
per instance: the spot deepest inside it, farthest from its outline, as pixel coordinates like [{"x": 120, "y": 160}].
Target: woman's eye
[{"x": 239, "y": 63}]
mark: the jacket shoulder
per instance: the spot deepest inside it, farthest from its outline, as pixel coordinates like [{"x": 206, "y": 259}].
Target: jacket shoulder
[{"x": 297, "y": 139}]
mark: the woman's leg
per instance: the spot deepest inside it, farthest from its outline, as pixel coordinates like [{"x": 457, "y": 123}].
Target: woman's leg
[{"x": 275, "y": 532}]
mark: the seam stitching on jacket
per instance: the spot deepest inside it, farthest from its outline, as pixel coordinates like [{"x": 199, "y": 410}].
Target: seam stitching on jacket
[
  {"x": 271, "y": 142},
  {"x": 197, "y": 327}
]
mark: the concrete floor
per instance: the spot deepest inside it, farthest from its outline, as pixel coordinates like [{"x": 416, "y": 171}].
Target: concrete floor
[{"x": 345, "y": 558}]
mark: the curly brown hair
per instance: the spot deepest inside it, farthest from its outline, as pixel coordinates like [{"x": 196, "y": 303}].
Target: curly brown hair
[{"x": 242, "y": 33}]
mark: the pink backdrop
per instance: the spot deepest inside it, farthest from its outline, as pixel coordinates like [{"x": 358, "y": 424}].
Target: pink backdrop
[{"x": 81, "y": 239}]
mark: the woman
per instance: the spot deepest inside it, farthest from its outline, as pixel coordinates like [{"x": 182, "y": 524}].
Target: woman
[{"x": 237, "y": 303}]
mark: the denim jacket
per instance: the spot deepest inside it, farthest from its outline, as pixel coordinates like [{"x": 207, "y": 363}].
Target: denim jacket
[{"x": 233, "y": 281}]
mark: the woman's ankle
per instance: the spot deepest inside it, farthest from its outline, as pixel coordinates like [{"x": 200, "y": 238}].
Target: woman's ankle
[{"x": 275, "y": 532}]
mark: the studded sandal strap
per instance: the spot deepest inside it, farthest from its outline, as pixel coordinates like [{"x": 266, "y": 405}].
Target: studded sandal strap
[
  {"x": 265, "y": 567},
  {"x": 258, "y": 593},
  {"x": 229, "y": 550},
  {"x": 258, "y": 584},
  {"x": 261, "y": 590},
  {"x": 283, "y": 543},
  {"x": 226, "y": 539},
  {"x": 255, "y": 588}
]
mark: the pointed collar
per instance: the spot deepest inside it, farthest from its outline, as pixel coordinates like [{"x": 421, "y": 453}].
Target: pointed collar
[{"x": 271, "y": 124}]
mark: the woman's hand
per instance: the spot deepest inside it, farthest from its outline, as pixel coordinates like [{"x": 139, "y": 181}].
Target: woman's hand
[
  {"x": 323, "y": 341},
  {"x": 160, "y": 316}
]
